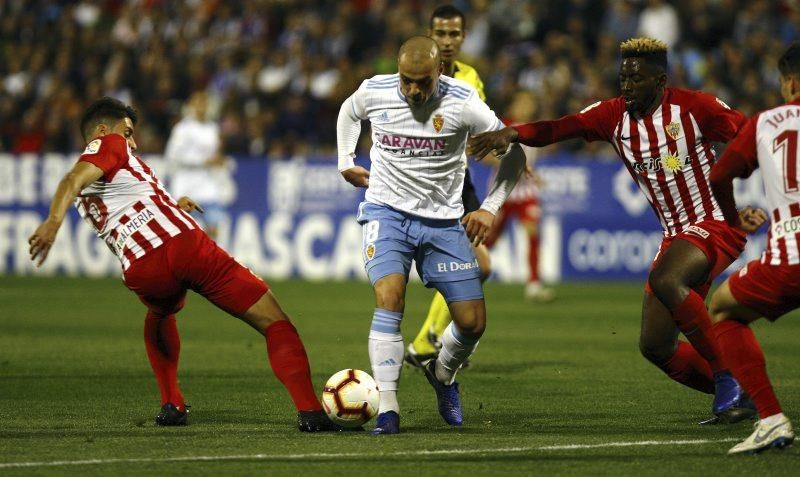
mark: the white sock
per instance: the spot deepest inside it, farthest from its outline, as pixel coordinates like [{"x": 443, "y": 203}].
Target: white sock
[
  {"x": 456, "y": 348},
  {"x": 386, "y": 356},
  {"x": 773, "y": 419}
]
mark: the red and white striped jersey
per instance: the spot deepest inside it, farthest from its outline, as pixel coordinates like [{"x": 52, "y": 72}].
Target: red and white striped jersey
[
  {"x": 128, "y": 207},
  {"x": 668, "y": 153},
  {"x": 769, "y": 140}
]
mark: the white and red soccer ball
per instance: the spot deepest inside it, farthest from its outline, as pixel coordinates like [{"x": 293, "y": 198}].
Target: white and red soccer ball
[{"x": 350, "y": 397}]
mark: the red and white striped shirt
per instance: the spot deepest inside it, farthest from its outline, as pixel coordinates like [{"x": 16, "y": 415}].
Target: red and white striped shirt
[
  {"x": 668, "y": 153},
  {"x": 128, "y": 207},
  {"x": 768, "y": 140}
]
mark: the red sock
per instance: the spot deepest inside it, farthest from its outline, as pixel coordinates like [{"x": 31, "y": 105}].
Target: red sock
[
  {"x": 690, "y": 369},
  {"x": 163, "y": 349},
  {"x": 746, "y": 361},
  {"x": 533, "y": 258},
  {"x": 693, "y": 320},
  {"x": 289, "y": 362}
]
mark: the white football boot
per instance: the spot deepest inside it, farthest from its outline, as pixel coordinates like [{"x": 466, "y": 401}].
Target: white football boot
[{"x": 766, "y": 436}]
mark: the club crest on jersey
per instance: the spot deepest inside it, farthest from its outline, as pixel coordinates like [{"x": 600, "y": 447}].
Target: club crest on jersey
[
  {"x": 370, "y": 251},
  {"x": 92, "y": 147},
  {"x": 438, "y": 123},
  {"x": 673, "y": 130}
]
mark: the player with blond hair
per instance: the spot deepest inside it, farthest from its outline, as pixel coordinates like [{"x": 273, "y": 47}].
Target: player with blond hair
[{"x": 663, "y": 136}]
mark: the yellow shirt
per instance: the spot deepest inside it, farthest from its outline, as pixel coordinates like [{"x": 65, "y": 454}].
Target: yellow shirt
[{"x": 465, "y": 72}]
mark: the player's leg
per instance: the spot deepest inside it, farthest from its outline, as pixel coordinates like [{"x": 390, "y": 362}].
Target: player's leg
[
  {"x": 386, "y": 343},
  {"x": 680, "y": 280},
  {"x": 529, "y": 216},
  {"x": 446, "y": 261},
  {"x": 163, "y": 345},
  {"x": 214, "y": 274},
  {"x": 425, "y": 345},
  {"x": 163, "y": 296},
  {"x": 428, "y": 341},
  {"x": 682, "y": 268},
  {"x": 658, "y": 342},
  {"x": 732, "y": 317},
  {"x": 288, "y": 359},
  {"x": 388, "y": 248},
  {"x": 461, "y": 337}
]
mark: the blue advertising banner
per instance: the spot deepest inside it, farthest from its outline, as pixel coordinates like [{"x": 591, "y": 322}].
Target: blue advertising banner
[{"x": 297, "y": 219}]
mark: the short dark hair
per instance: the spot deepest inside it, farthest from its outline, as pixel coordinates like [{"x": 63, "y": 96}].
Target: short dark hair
[
  {"x": 104, "y": 109},
  {"x": 650, "y": 50},
  {"x": 789, "y": 63},
  {"x": 448, "y": 11}
]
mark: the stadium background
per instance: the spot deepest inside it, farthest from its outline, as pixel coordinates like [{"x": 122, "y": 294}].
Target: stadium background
[
  {"x": 555, "y": 389},
  {"x": 277, "y": 72}
]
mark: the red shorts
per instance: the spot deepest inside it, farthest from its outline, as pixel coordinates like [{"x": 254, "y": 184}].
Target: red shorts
[
  {"x": 720, "y": 242},
  {"x": 772, "y": 290},
  {"x": 192, "y": 261}
]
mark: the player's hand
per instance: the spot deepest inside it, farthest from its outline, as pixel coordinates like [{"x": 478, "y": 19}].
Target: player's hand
[
  {"x": 481, "y": 145},
  {"x": 42, "y": 239},
  {"x": 477, "y": 225},
  {"x": 188, "y": 205},
  {"x": 751, "y": 218},
  {"x": 357, "y": 175}
]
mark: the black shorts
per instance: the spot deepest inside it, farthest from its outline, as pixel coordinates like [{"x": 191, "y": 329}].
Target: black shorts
[{"x": 468, "y": 195}]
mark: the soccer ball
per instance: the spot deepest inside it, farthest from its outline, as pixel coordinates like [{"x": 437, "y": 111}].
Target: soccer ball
[{"x": 350, "y": 397}]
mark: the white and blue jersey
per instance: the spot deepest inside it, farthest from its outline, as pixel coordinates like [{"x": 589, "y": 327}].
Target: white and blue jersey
[{"x": 418, "y": 154}]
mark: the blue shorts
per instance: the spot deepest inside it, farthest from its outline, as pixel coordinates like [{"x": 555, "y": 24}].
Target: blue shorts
[{"x": 441, "y": 249}]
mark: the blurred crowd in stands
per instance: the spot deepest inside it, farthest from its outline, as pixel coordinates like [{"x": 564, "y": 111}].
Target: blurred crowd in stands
[{"x": 278, "y": 70}]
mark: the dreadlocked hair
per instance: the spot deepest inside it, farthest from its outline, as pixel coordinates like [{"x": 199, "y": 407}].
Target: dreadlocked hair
[{"x": 650, "y": 50}]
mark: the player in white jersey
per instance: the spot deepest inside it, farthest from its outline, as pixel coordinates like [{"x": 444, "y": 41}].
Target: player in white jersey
[
  {"x": 769, "y": 287},
  {"x": 163, "y": 254},
  {"x": 194, "y": 150},
  {"x": 420, "y": 123}
]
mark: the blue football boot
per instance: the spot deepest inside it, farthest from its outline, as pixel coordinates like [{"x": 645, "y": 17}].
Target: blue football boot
[
  {"x": 447, "y": 397},
  {"x": 387, "y": 423},
  {"x": 731, "y": 404}
]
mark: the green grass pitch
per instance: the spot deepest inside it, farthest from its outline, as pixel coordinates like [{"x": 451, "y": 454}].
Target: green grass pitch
[{"x": 75, "y": 385}]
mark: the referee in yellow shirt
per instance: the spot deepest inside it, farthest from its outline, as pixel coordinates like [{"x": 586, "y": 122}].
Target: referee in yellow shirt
[{"x": 447, "y": 26}]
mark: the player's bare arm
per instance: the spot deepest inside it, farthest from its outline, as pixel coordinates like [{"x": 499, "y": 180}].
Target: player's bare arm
[
  {"x": 356, "y": 175},
  {"x": 751, "y": 219},
  {"x": 481, "y": 145},
  {"x": 81, "y": 175}
]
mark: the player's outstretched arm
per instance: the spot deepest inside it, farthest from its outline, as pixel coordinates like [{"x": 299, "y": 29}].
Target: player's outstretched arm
[{"x": 81, "y": 175}]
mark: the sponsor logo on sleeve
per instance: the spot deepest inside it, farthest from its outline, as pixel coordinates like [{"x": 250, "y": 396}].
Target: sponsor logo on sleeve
[{"x": 92, "y": 147}]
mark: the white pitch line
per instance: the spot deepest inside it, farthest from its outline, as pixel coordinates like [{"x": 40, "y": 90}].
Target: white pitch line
[{"x": 345, "y": 455}]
